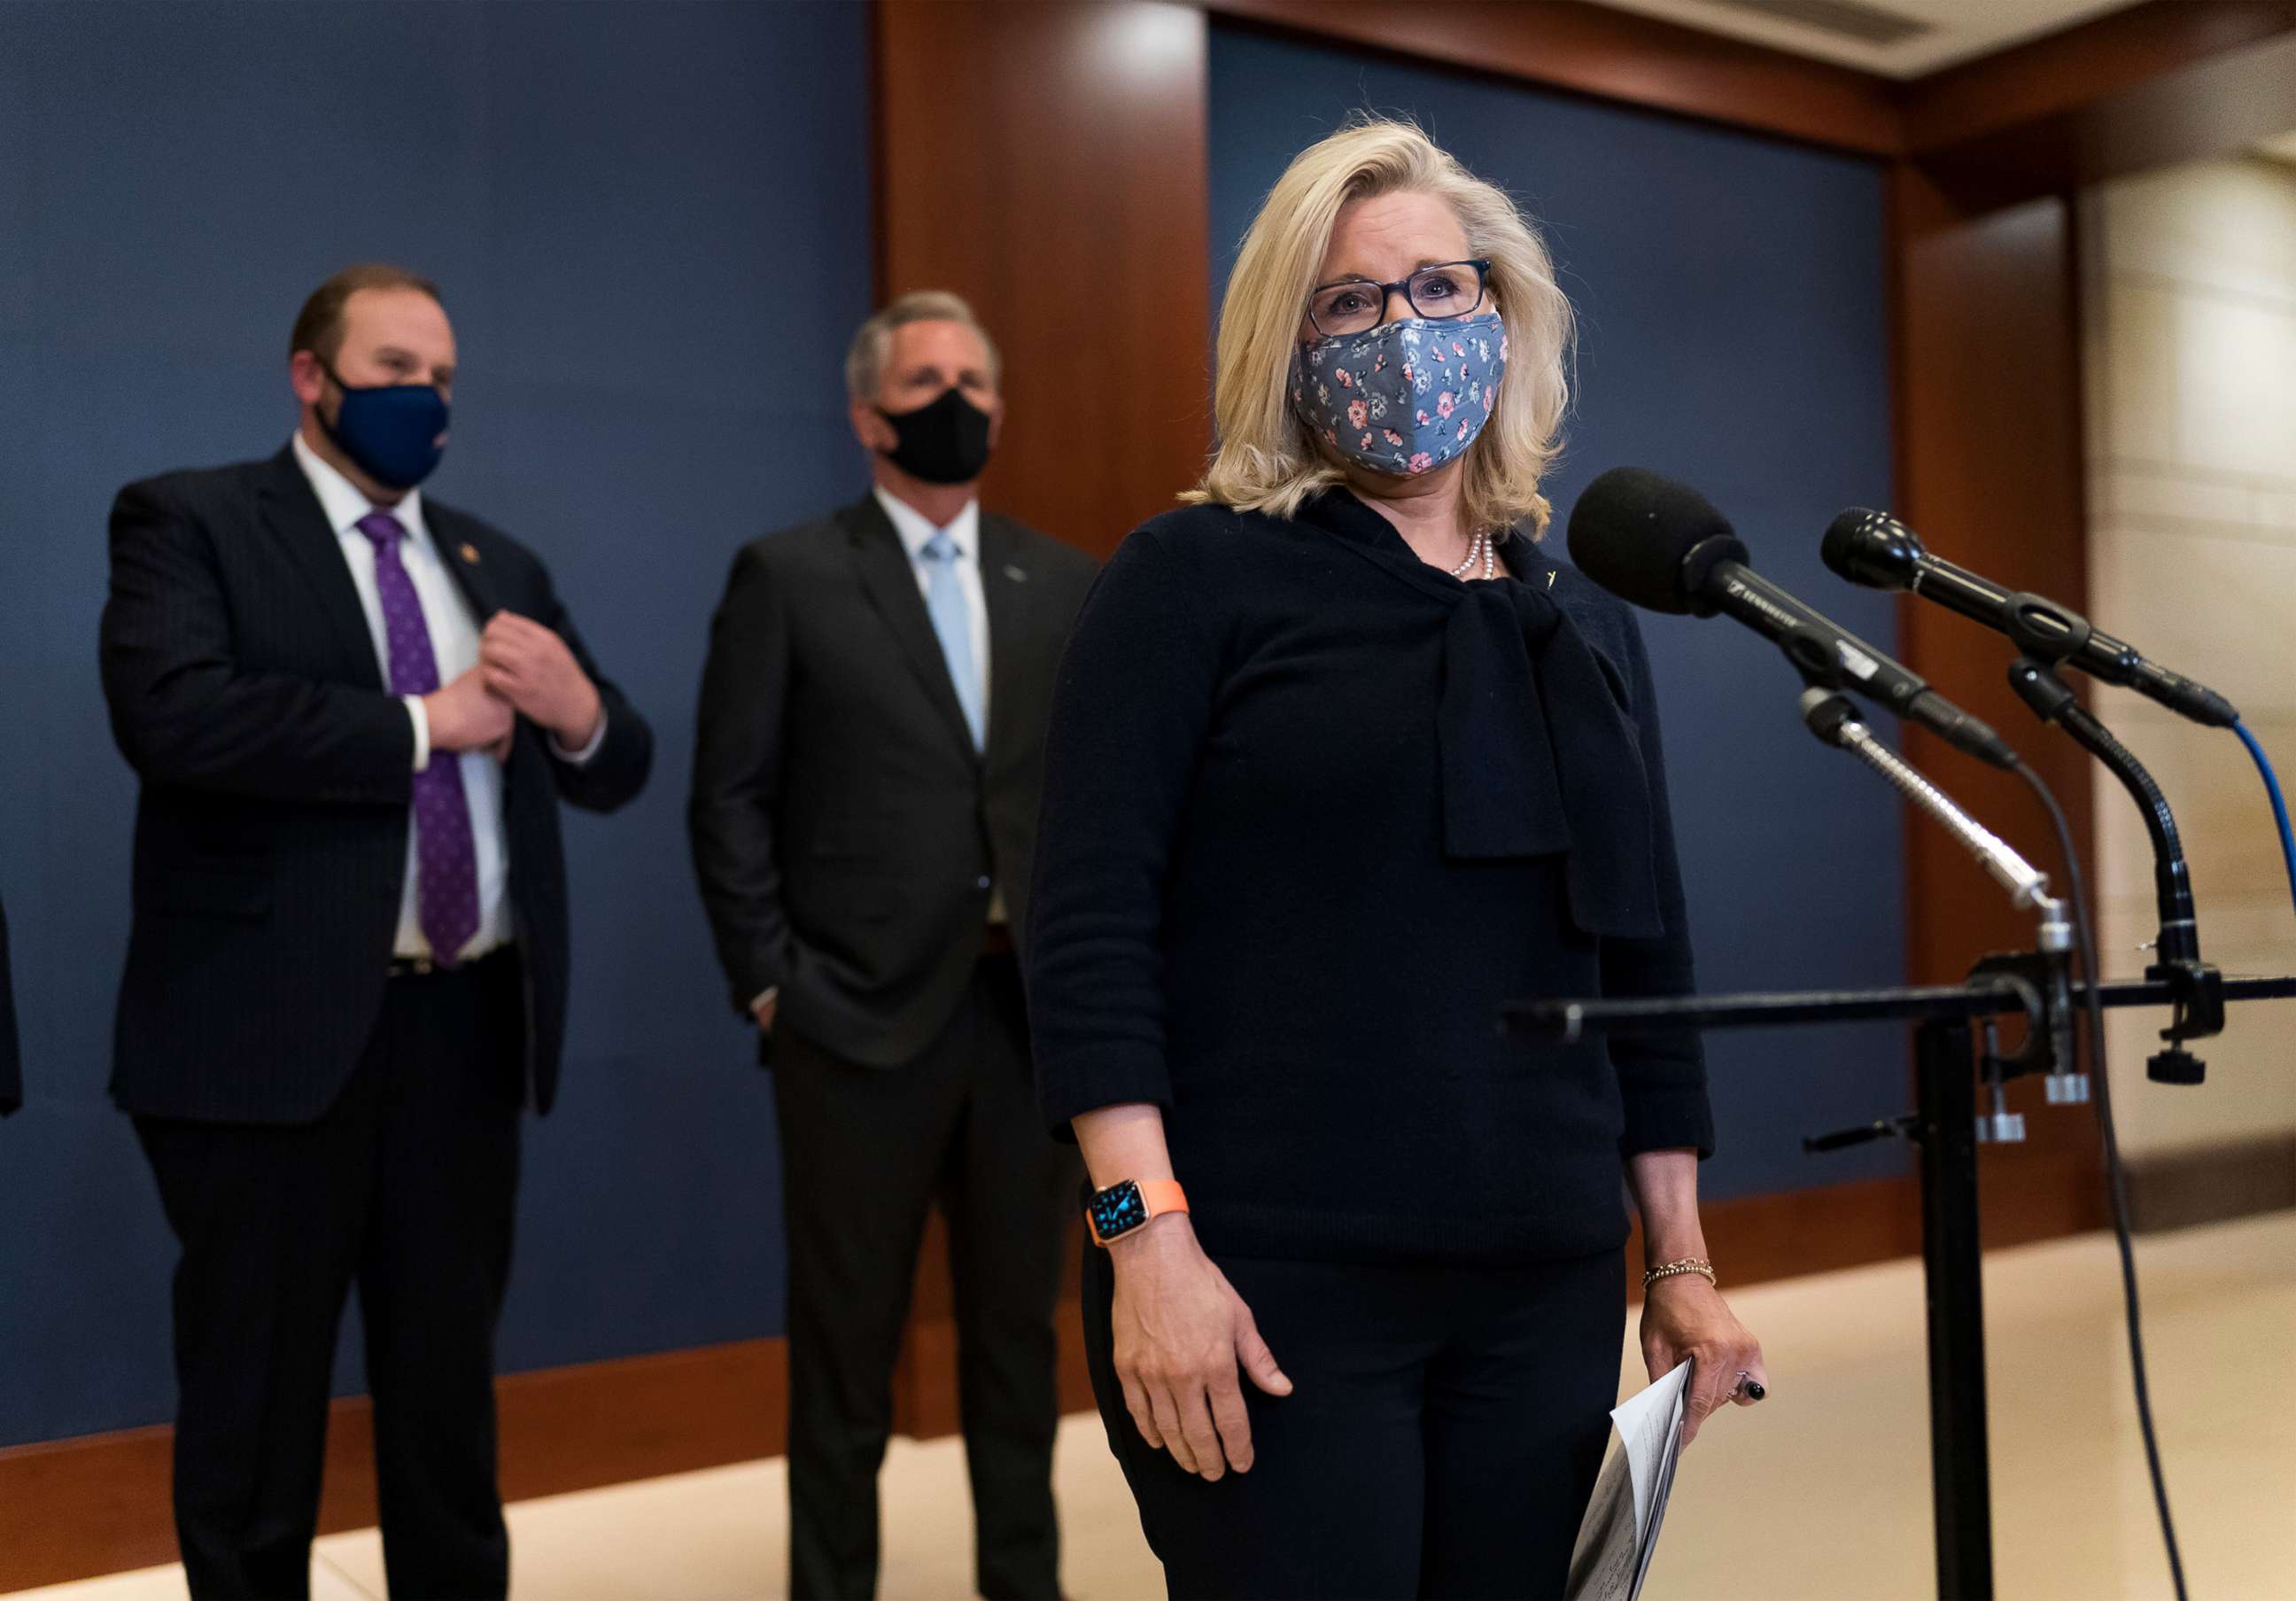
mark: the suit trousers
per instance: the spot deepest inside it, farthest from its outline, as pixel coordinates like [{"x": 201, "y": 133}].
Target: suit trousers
[
  {"x": 1443, "y": 1432},
  {"x": 865, "y": 1152},
  {"x": 406, "y": 1186}
]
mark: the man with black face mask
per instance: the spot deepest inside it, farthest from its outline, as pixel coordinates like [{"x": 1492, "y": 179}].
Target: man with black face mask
[
  {"x": 863, "y": 818},
  {"x": 354, "y": 711}
]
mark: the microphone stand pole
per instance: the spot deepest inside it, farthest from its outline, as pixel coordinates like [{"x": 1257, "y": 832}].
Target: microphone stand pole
[{"x": 1945, "y": 1130}]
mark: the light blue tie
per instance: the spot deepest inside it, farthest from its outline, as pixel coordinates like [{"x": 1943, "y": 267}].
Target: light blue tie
[{"x": 952, "y": 620}]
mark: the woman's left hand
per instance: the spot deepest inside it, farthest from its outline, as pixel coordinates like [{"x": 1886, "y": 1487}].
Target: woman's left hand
[{"x": 1685, "y": 1316}]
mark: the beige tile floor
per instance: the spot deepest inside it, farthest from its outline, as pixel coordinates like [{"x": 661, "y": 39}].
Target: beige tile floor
[{"x": 1822, "y": 1493}]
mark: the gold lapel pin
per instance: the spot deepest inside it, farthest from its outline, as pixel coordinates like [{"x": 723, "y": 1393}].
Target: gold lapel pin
[
  {"x": 1550, "y": 575},
  {"x": 469, "y": 552}
]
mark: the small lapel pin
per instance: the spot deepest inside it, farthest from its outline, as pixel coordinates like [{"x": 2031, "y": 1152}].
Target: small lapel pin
[
  {"x": 1015, "y": 574},
  {"x": 1550, "y": 575},
  {"x": 469, "y": 552}
]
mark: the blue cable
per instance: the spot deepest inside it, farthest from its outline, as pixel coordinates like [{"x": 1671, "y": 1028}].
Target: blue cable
[{"x": 2279, "y": 802}]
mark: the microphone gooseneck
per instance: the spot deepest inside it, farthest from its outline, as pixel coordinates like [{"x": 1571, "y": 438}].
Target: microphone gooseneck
[
  {"x": 1831, "y": 716},
  {"x": 1833, "y": 720},
  {"x": 2197, "y": 989}
]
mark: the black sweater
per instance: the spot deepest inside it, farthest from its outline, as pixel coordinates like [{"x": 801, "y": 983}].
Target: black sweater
[{"x": 1313, "y": 811}]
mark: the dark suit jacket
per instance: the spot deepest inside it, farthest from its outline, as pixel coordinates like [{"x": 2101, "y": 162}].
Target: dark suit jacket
[
  {"x": 845, "y": 831},
  {"x": 12, "y": 1079},
  {"x": 271, "y": 831}
]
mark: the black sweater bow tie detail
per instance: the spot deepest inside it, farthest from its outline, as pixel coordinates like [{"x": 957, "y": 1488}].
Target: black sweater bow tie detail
[{"x": 1538, "y": 759}]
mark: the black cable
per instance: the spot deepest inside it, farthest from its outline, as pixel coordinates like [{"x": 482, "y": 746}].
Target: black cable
[{"x": 2115, "y": 1176}]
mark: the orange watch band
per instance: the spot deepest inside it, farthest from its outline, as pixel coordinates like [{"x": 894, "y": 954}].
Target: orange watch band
[{"x": 1161, "y": 1195}]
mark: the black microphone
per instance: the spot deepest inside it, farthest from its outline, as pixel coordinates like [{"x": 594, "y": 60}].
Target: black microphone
[
  {"x": 1874, "y": 549},
  {"x": 1659, "y": 543}
]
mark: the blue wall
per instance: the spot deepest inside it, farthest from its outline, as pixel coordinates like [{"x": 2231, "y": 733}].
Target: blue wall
[
  {"x": 1730, "y": 296},
  {"x": 650, "y": 223}
]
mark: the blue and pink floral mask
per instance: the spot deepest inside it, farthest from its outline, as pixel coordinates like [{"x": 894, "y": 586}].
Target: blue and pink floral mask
[{"x": 1403, "y": 397}]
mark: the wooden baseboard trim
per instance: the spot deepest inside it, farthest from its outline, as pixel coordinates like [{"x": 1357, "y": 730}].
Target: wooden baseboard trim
[
  {"x": 75, "y": 1509},
  {"x": 2213, "y": 1185},
  {"x": 100, "y": 1504},
  {"x": 97, "y": 1504}
]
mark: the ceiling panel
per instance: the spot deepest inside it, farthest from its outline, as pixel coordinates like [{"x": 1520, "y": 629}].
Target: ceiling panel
[{"x": 1931, "y": 33}]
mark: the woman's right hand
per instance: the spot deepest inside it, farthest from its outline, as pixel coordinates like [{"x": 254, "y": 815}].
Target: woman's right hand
[{"x": 1181, "y": 1333}]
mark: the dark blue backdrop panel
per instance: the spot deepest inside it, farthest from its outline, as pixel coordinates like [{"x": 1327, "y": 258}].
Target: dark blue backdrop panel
[
  {"x": 649, "y": 224},
  {"x": 1729, "y": 290}
]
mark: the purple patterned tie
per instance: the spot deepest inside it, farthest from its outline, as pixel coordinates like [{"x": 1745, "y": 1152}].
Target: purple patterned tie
[{"x": 445, "y": 860}]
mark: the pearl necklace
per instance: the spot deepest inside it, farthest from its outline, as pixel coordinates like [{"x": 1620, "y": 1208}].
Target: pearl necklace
[{"x": 1479, "y": 549}]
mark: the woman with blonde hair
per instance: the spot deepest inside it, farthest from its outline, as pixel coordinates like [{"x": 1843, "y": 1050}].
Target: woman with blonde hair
[{"x": 1340, "y": 762}]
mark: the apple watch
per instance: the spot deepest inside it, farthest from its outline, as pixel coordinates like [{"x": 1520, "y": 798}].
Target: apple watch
[{"x": 1121, "y": 1208}]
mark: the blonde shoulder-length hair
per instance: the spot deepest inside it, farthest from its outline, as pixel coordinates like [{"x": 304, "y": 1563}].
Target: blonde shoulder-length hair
[{"x": 1266, "y": 460}]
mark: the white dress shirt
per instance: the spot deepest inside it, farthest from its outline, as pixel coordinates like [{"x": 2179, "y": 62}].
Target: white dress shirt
[
  {"x": 964, "y": 531},
  {"x": 454, "y": 643}
]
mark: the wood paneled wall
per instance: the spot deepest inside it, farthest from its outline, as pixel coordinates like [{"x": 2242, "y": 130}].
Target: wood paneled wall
[
  {"x": 1046, "y": 160},
  {"x": 1985, "y": 358},
  {"x": 1989, "y": 472}
]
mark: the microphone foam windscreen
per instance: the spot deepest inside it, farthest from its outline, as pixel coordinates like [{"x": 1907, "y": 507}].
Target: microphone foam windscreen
[{"x": 1631, "y": 530}]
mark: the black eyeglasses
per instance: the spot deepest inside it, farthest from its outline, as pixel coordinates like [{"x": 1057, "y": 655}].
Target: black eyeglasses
[{"x": 1356, "y": 305}]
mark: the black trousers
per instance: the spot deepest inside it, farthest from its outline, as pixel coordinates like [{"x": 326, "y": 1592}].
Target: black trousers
[
  {"x": 407, "y": 1189},
  {"x": 865, "y": 1151},
  {"x": 1443, "y": 1435}
]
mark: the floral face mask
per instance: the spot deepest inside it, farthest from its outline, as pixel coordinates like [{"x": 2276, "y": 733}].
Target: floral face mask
[{"x": 1403, "y": 397}]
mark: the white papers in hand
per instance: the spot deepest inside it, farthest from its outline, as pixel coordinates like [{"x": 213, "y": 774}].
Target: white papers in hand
[{"x": 1621, "y": 1529}]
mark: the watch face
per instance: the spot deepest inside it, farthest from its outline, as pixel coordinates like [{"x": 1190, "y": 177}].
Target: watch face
[{"x": 1117, "y": 1210}]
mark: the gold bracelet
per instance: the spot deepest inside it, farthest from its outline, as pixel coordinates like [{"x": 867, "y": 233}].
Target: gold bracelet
[{"x": 1688, "y": 1264}]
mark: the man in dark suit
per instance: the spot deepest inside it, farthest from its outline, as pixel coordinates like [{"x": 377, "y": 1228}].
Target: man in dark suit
[
  {"x": 354, "y": 711},
  {"x": 864, "y": 816}
]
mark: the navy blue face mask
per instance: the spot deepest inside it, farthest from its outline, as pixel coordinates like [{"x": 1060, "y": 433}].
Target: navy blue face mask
[{"x": 395, "y": 432}]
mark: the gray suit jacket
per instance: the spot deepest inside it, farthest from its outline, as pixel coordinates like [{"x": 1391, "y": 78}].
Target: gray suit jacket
[{"x": 845, "y": 831}]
